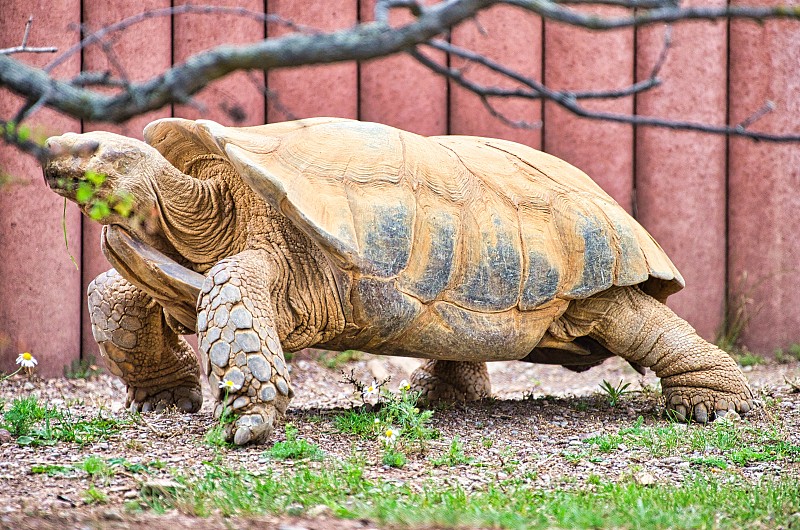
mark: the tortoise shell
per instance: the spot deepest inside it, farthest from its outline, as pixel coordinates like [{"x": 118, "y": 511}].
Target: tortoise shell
[{"x": 487, "y": 225}]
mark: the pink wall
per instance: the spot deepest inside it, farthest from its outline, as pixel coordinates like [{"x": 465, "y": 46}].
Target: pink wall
[
  {"x": 764, "y": 184},
  {"x": 40, "y": 288},
  {"x": 722, "y": 209},
  {"x": 680, "y": 176}
]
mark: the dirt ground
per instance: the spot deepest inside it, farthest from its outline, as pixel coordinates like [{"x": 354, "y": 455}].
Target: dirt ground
[{"x": 539, "y": 414}]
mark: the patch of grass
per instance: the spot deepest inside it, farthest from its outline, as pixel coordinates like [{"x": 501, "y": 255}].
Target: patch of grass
[
  {"x": 294, "y": 449},
  {"x": 398, "y": 409},
  {"x": 334, "y": 360},
  {"x": 614, "y": 393},
  {"x": 94, "y": 496},
  {"x": 24, "y": 413},
  {"x": 82, "y": 368},
  {"x": 36, "y": 424},
  {"x": 51, "y": 470},
  {"x": 747, "y": 358},
  {"x": 791, "y": 354},
  {"x": 394, "y": 458},
  {"x": 736, "y": 443},
  {"x": 96, "y": 467},
  {"x": 698, "y": 503},
  {"x": 454, "y": 455}
]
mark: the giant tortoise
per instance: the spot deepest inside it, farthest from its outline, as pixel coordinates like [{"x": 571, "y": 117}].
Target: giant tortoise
[{"x": 342, "y": 234}]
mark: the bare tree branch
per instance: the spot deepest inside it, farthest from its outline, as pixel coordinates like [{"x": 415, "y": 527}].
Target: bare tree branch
[
  {"x": 569, "y": 100},
  {"x": 77, "y": 98}
]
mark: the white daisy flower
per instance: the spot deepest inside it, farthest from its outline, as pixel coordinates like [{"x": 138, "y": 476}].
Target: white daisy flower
[
  {"x": 390, "y": 435},
  {"x": 377, "y": 421},
  {"x": 26, "y": 360},
  {"x": 228, "y": 385},
  {"x": 405, "y": 386},
  {"x": 371, "y": 389}
]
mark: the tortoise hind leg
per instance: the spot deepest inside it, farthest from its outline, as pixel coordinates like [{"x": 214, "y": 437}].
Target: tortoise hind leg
[
  {"x": 158, "y": 366},
  {"x": 699, "y": 381},
  {"x": 451, "y": 381}
]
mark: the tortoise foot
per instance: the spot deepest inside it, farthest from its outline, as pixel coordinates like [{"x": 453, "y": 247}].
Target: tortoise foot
[
  {"x": 450, "y": 381},
  {"x": 186, "y": 397},
  {"x": 703, "y": 405},
  {"x": 252, "y": 424}
]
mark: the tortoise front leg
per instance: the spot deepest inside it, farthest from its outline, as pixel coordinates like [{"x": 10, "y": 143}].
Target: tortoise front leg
[
  {"x": 241, "y": 348},
  {"x": 158, "y": 366},
  {"x": 698, "y": 379}
]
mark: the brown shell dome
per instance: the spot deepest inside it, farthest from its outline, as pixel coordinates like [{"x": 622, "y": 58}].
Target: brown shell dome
[{"x": 487, "y": 225}]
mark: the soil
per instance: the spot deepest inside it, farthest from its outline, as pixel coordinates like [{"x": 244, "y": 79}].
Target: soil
[{"x": 539, "y": 414}]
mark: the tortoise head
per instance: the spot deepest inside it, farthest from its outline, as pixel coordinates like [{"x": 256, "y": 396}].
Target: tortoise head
[{"x": 110, "y": 177}]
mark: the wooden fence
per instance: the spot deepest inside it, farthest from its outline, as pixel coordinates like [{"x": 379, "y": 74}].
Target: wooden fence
[{"x": 726, "y": 211}]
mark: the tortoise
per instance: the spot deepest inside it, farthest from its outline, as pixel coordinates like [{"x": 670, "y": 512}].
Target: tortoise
[{"x": 342, "y": 234}]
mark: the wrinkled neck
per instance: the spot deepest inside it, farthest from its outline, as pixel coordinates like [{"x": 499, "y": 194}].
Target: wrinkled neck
[{"x": 195, "y": 215}]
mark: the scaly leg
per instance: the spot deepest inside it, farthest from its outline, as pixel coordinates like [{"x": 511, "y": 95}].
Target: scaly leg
[
  {"x": 131, "y": 329},
  {"x": 241, "y": 347},
  {"x": 698, "y": 379},
  {"x": 451, "y": 381}
]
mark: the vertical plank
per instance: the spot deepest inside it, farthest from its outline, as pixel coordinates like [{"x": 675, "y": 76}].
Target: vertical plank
[
  {"x": 578, "y": 59},
  {"x": 143, "y": 51},
  {"x": 400, "y": 92},
  {"x": 514, "y": 38},
  {"x": 680, "y": 176},
  {"x": 325, "y": 90},
  {"x": 39, "y": 285},
  {"x": 764, "y": 180},
  {"x": 238, "y": 99}
]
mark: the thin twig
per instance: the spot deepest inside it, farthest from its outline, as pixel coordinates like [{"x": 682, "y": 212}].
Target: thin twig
[
  {"x": 572, "y": 104},
  {"x": 125, "y": 23},
  {"x": 24, "y": 46}
]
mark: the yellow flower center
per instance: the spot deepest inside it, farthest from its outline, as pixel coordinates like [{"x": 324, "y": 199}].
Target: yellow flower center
[
  {"x": 389, "y": 433},
  {"x": 27, "y": 356}
]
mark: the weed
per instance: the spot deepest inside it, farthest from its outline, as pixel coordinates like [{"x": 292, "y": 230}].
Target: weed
[
  {"x": 398, "y": 409},
  {"x": 454, "y": 456},
  {"x": 294, "y": 449},
  {"x": 82, "y": 368},
  {"x": 791, "y": 354},
  {"x": 96, "y": 467},
  {"x": 51, "y": 470},
  {"x": 24, "y": 413},
  {"x": 393, "y": 458},
  {"x": 94, "y": 496},
  {"x": 747, "y": 358},
  {"x": 334, "y": 360},
  {"x": 215, "y": 437},
  {"x": 614, "y": 393}
]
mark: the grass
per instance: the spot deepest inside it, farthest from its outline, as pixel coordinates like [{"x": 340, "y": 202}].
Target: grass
[
  {"x": 737, "y": 444},
  {"x": 335, "y": 360},
  {"x": 454, "y": 456},
  {"x": 747, "y": 358},
  {"x": 82, "y": 368},
  {"x": 789, "y": 355},
  {"x": 35, "y": 424},
  {"x": 294, "y": 449},
  {"x": 342, "y": 487}
]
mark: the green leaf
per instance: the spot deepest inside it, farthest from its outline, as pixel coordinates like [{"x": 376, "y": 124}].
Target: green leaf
[
  {"x": 95, "y": 178},
  {"x": 99, "y": 210},
  {"x": 85, "y": 192},
  {"x": 25, "y": 440}
]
